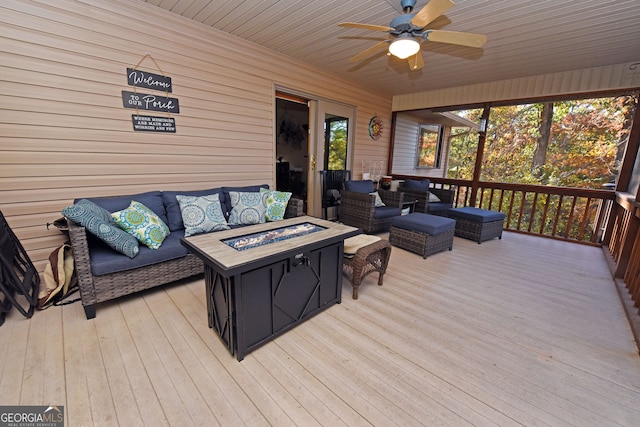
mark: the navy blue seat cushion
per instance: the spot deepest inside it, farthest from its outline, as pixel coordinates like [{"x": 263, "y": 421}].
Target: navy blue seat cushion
[
  {"x": 439, "y": 206},
  {"x": 365, "y": 186},
  {"x": 226, "y": 205},
  {"x": 105, "y": 260},
  {"x": 151, "y": 199},
  {"x": 476, "y": 214},
  {"x": 386, "y": 212},
  {"x": 416, "y": 184},
  {"x": 171, "y": 205},
  {"x": 424, "y": 223}
]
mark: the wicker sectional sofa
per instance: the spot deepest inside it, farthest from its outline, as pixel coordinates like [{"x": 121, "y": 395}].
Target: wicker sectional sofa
[{"x": 104, "y": 274}]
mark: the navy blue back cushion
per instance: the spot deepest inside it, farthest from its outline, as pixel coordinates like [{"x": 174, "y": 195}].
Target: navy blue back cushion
[
  {"x": 151, "y": 199},
  {"x": 416, "y": 184},
  {"x": 226, "y": 206},
  {"x": 365, "y": 186}
]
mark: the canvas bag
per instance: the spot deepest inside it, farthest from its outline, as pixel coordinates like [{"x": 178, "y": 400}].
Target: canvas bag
[{"x": 59, "y": 277}]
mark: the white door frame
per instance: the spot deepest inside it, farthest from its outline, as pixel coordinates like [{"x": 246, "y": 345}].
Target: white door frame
[{"x": 318, "y": 111}]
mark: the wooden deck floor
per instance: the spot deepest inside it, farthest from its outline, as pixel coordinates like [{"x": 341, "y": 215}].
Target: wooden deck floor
[{"x": 522, "y": 331}]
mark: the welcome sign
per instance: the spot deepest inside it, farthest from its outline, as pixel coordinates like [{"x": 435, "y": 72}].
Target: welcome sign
[
  {"x": 143, "y": 102},
  {"x": 139, "y": 78}
]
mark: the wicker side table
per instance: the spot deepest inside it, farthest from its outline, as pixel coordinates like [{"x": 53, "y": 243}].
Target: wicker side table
[{"x": 374, "y": 257}]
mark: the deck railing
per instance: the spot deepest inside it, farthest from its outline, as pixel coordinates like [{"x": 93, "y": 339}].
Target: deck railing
[
  {"x": 575, "y": 214},
  {"x": 594, "y": 217},
  {"x": 623, "y": 242}
]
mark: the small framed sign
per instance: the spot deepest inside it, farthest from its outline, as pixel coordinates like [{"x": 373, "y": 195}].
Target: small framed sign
[{"x": 153, "y": 124}]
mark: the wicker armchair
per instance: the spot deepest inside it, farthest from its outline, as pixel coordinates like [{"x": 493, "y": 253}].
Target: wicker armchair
[
  {"x": 359, "y": 209},
  {"x": 423, "y": 205}
]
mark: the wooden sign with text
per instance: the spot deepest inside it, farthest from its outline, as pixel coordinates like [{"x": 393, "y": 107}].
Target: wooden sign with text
[
  {"x": 149, "y": 102},
  {"x": 139, "y": 78},
  {"x": 153, "y": 124}
]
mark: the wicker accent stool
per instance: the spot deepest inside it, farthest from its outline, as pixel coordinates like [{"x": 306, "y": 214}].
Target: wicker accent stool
[
  {"x": 421, "y": 233},
  {"x": 477, "y": 224},
  {"x": 365, "y": 254}
]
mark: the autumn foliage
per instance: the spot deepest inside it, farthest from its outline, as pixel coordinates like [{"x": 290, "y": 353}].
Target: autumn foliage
[{"x": 585, "y": 141}]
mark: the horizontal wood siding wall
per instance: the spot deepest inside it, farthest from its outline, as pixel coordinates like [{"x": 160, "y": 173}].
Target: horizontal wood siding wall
[
  {"x": 65, "y": 134},
  {"x": 621, "y": 76},
  {"x": 405, "y": 147}
]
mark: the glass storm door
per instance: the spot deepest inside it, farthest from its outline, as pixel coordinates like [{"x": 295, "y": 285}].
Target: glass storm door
[{"x": 330, "y": 146}]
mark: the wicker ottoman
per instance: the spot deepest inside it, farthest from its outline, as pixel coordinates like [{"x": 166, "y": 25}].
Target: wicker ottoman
[
  {"x": 364, "y": 254},
  {"x": 477, "y": 224},
  {"x": 421, "y": 233}
]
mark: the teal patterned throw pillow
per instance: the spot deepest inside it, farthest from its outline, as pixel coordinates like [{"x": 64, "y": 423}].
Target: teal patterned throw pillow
[
  {"x": 275, "y": 203},
  {"x": 247, "y": 208},
  {"x": 143, "y": 224},
  {"x": 201, "y": 214},
  {"x": 98, "y": 222}
]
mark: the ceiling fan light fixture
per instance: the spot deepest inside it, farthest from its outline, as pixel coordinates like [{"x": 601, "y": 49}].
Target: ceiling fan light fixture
[{"x": 404, "y": 47}]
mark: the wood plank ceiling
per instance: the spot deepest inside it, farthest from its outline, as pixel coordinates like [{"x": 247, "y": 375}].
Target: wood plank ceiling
[{"x": 525, "y": 37}]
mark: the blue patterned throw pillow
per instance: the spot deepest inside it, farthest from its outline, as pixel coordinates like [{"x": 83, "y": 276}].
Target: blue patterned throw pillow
[
  {"x": 98, "y": 222},
  {"x": 275, "y": 203},
  {"x": 143, "y": 224},
  {"x": 201, "y": 214},
  {"x": 246, "y": 208}
]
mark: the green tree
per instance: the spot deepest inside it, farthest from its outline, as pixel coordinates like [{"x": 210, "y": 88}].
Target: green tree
[
  {"x": 540, "y": 153},
  {"x": 337, "y": 145},
  {"x": 572, "y": 143},
  {"x": 463, "y": 146}
]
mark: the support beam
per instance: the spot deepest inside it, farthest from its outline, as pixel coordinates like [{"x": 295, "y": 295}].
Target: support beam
[{"x": 477, "y": 169}]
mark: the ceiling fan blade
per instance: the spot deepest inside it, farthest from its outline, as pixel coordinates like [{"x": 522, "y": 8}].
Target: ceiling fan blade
[
  {"x": 431, "y": 11},
  {"x": 416, "y": 61},
  {"x": 365, "y": 26},
  {"x": 369, "y": 51},
  {"x": 455, "y": 37}
]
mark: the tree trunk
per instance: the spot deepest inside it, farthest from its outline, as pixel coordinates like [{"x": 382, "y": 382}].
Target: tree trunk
[
  {"x": 622, "y": 142},
  {"x": 540, "y": 155}
]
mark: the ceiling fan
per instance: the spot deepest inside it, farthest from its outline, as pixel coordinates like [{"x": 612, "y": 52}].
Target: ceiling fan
[{"x": 407, "y": 32}]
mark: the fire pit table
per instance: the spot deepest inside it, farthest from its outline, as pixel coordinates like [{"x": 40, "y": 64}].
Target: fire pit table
[{"x": 264, "y": 279}]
